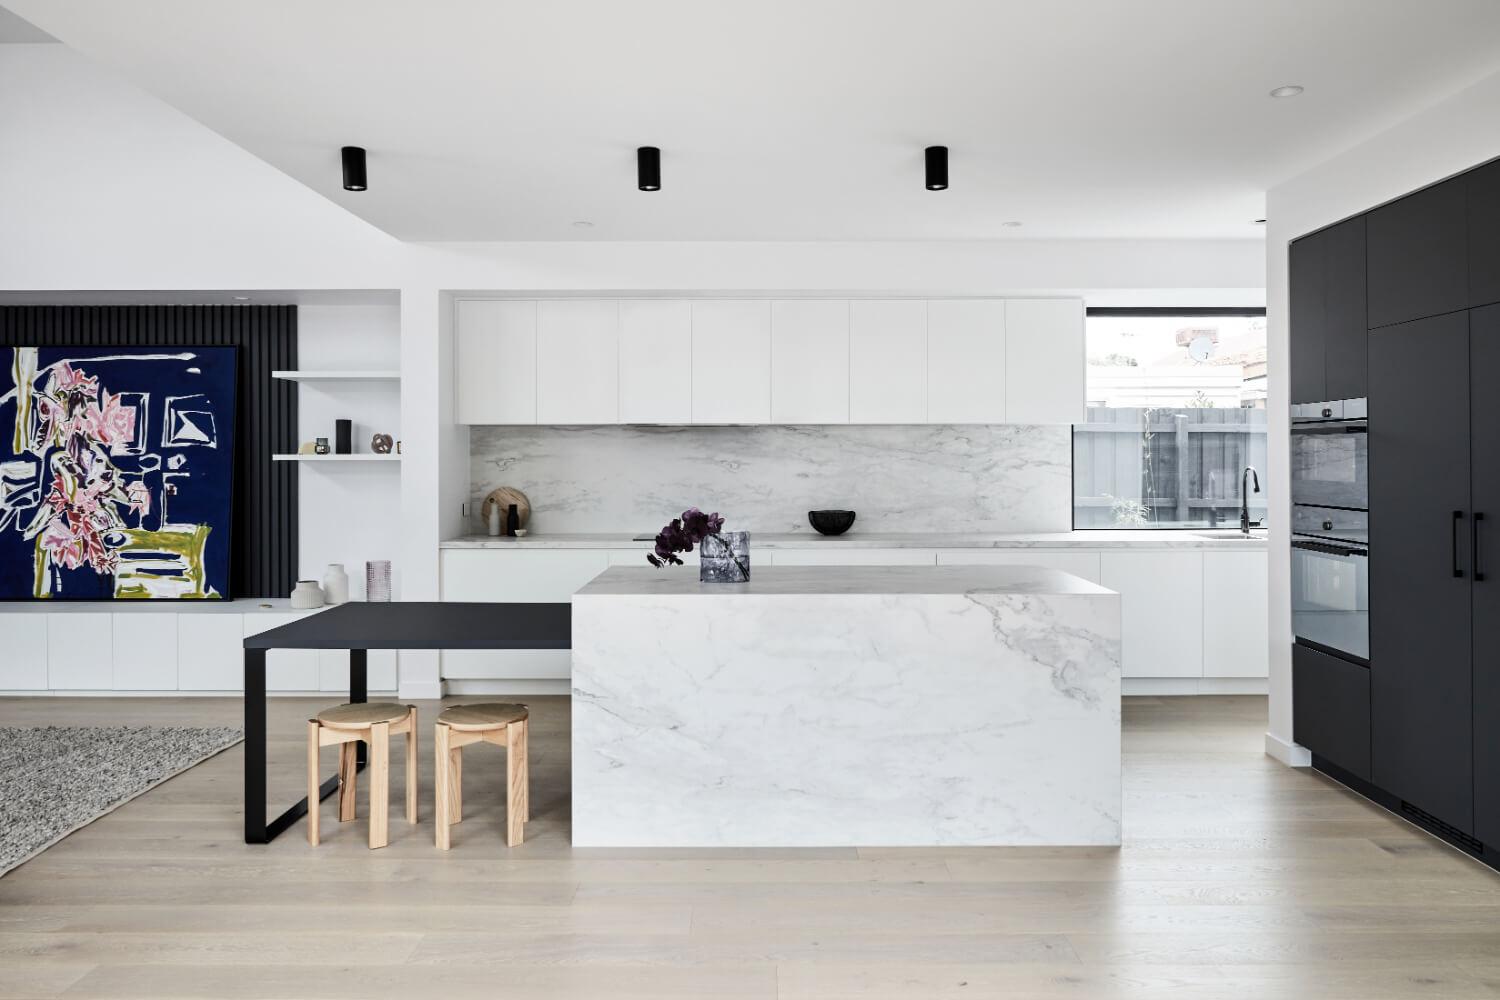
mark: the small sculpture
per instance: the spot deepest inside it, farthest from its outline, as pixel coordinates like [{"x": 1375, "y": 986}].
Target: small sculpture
[
  {"x": 321, "y": 447},
  {"x": 380, "y": 444}
]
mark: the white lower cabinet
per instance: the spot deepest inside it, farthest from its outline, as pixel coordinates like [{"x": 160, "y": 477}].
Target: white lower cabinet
[
  {"x": 1079, "y": 563},
  {"x": 1161, "y": 610},
  {"x": 1235, "y": 640},
  {"x": 847, "y": 557},
  {"x": 145, "y": 652},
  {"x": 79, "y": 651},
  {"x": 23, "y": 666},
  {"x": 286, "y": 669},
  {"x": 381, "y": 670},
  {"x": 211, "y": 652}
]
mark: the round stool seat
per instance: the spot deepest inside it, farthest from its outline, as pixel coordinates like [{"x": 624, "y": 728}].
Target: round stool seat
[
  {"x": 363, "y": 715},
  {"x": 486, "y": 715}
]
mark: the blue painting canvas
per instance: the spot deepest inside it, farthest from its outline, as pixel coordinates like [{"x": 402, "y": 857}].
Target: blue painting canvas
[{"x": 115, "y": 473}]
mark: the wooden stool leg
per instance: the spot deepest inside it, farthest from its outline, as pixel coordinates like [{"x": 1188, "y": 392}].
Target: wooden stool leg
[
  {"x": 411, "y": 766},
  {"x": 525, "y": 770},
  {"x": 514, "y": 737},
  {"x": 441, "y": 756},
  {"x": 380, "y": 783},
  {"x": 314, "y": 784},
  {"x": 348, "y": 779},
  {"x": 456, "y": 785}
]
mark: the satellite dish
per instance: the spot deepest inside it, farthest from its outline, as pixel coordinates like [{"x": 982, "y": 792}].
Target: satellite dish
[{"x": 1201, "y": 347}]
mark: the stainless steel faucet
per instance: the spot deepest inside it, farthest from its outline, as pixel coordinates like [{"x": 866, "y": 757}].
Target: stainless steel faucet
[{"x": 1249, "y": 473}]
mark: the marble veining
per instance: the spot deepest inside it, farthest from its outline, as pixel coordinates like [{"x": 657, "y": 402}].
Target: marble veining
[
  {"x": 947, "y": 478},
  {"x": 846, "y": 715}
]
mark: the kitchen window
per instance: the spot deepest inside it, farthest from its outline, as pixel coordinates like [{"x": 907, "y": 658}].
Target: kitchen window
[{"x": 1176, "y": 411}]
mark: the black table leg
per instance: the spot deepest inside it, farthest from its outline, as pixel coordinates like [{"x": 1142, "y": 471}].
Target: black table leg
[
  {"x": 359, "y": 691},
  {"x": 255, "y": 747},
  {"x": 257, "y": 830}
]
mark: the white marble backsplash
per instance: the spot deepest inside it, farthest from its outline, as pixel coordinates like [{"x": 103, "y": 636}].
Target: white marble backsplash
[{"x": 947, "y": 478}]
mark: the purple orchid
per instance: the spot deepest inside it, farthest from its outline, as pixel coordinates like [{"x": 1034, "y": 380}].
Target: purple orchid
[{"x": 682, "y": 534}]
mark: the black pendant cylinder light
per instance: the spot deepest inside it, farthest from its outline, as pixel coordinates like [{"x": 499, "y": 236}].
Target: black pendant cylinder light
[
  {"x": 937, "y": 168},
  {"x": 354, "y": 168},
  {"x": 648, "y": 168}
]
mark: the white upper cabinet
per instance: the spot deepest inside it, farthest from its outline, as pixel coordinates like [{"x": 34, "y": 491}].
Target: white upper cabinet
[
  {"x": 1044, "y": 361},
  {"x": 758, "y": 361},
  {"x": 496, "y": 361},
  {"x": 731, "y": 361},
  {"x": 966, "y": 361},
  {"x": 656, "y": 348},
  {"x": 888, "y": 361},
  {"x": 810, "y": 361},
  {"x": 578, "y": 361}
]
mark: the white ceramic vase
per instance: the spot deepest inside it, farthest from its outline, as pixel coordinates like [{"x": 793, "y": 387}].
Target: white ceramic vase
[
  {"x": 336, "y": 584},
  {"x": 307, "y": 595}
]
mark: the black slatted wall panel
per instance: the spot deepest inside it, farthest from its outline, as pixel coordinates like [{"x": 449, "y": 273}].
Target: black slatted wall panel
[{"x": 264, "y": 520}]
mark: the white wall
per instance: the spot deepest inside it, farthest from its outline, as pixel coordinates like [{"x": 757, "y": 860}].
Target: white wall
[{"x": 1446, "y": 139}]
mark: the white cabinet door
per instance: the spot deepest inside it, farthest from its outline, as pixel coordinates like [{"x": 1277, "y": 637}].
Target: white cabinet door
[
  {"x": 286, "y": 669},
  {"x": 79, "y": 651},
  {"x": 1235, "y": 626},
  {"x": 578, "y": 361},
  {"x": 1161, "y": 608},
  {"x": 1044, "y": 361},
  {"x": 832, "y": 555},
  {"x": 887, "y": 361},
  {"x": 810, "y": 361},
  {"x": 1077, "y": 562},
  {"x": 145, "y": 651},
  {"x": 23, "y": 666},
  {"x": 966, "y": 361},
  {"x": 527, "y": 576},
  {"x": 656, "y": 348},
  {"x": 495, "y": 359},
  {"x": 731, "y": 361},
  {"x": 210, "y": 652}
]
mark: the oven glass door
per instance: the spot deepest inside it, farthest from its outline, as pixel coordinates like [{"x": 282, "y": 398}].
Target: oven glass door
[
  {"x": 1331, "y": 596},
  {"x": 1330, "y": 464}
]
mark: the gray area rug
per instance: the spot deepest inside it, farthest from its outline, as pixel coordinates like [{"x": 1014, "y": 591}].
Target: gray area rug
[{"x": 56, "y": 779}]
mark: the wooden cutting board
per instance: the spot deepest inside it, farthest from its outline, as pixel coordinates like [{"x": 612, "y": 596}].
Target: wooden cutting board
[{"x": 505, "y": 496}]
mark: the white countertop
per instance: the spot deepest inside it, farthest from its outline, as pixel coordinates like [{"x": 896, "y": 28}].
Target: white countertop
[
  {"x": 1103, "y": 539},
  {"x": 805, "y": 581}
]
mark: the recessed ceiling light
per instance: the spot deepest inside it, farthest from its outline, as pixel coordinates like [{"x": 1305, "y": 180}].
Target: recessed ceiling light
[
  {"x": 584, "y": 224},
  {"x": 242, "y": 298},
  {"x": 1012, "y": 224},
  {"x": 1291, "y": 90}
]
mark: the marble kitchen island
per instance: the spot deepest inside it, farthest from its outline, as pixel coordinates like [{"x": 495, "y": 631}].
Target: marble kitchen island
[{"x": 846, "y": 706}]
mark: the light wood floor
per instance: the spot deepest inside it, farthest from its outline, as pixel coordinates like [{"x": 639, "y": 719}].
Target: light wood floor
[{"x": 1239, "y": 878}]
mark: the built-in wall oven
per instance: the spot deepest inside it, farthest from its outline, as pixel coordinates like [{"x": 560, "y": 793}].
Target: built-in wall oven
[{"x": 1331, "y": 528}]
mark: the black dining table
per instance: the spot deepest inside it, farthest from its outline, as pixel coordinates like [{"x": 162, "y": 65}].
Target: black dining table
[{"x": 360, "y": 627}]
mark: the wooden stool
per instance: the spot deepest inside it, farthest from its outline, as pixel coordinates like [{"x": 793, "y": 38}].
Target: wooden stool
[
  {"x": 373, "y": 723},
  {"x": 503, "y": 725}
]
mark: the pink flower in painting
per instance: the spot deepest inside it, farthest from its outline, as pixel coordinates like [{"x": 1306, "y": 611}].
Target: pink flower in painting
[
  {"x": 67, "y": 379},
  {"x": 110, "y": 424}
]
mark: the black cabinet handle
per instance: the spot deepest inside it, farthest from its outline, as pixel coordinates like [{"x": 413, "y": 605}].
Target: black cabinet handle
[
  {"x": 1474, "y": 540},
  {"x": 1458, "y": 515}
]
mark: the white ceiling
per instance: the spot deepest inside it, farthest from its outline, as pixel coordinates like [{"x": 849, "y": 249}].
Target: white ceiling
[{"x": 793, "y": 119}]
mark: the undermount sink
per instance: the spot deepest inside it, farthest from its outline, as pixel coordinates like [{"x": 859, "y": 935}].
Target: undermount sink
[{"x": 1221, "y": 534}]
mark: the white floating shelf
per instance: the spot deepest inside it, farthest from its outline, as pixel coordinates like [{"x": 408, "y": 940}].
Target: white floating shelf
[
  {"x": 338, "y": 376},
  {"x": 337, "y": 458}
]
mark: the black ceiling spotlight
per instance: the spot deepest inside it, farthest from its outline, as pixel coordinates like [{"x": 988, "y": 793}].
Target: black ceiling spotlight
[
  {"x": 648, "y": 168},
  {"x": 937, "y": 168},
  {"x": 354, "y": 168}
]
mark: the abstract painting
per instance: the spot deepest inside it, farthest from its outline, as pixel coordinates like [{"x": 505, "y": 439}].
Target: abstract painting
[{"x": 115, "y": 478}]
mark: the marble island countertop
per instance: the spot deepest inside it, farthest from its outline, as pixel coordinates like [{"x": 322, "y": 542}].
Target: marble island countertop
[
  {"x": 809, "y": 581},
  {"x": 1102, "y": 539}
]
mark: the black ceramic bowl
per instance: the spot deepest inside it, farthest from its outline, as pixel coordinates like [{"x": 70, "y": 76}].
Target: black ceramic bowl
[{"x": 830, "y": 522}]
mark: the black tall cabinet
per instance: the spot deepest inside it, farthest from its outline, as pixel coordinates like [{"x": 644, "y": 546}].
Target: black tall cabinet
[
  {"x": 1484, "y": 446},
  {"x": 1420, "y": 677},
  {"x": 1402, "y": 305}
]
